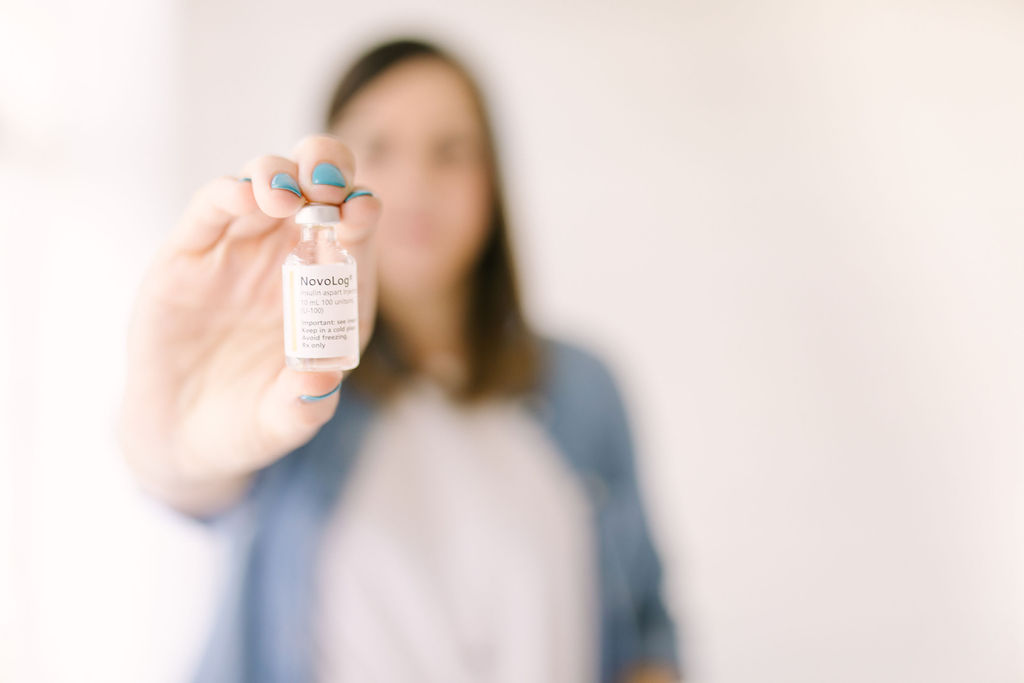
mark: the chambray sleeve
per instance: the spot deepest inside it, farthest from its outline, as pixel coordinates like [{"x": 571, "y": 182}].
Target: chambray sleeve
[{"x": 656, "y": 633}]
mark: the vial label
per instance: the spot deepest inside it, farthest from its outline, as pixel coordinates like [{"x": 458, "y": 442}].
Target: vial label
[{"x": 321, "y": 316}]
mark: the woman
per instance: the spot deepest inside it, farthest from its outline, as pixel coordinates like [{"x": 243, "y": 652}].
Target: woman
[{"x": 461, "y": 506}]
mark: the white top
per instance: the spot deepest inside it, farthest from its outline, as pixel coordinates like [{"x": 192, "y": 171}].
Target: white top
[{"x": 461, "y": 550}]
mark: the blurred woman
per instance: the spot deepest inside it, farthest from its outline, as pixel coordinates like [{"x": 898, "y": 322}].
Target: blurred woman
[{"x": 463, "y": 506}]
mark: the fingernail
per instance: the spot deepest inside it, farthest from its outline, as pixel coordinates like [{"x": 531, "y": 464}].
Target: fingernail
[
  {"x": 308, "y": 398},
  {"x": 246, "y": 179},
  {"x": 283, "y": 181},
  {"x": 357, "y": 193},
  {"x": 327, "y": 174}
]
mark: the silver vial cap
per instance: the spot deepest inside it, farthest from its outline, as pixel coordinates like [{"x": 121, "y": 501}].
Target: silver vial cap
[{"x": 315, "y": 213}]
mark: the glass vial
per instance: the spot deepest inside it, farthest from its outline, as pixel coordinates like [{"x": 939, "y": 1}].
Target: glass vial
[{"x": 319, "y": 288}]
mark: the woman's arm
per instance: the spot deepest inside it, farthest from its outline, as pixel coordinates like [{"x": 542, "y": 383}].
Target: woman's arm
[{"x": 654, "y": 652}]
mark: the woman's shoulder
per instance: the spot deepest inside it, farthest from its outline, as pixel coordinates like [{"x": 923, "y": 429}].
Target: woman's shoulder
[
  {"x": 578, "y": 370},
  {"x": 584, "y": 408}
]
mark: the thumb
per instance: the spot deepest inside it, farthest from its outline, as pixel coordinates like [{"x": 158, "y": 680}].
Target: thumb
[{"x": 297, "y": 404}]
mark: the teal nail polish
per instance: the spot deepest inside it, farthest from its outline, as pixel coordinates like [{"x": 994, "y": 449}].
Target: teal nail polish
[
  {"x": 357, "y": 193},
  {"x": 283, "y": 181},
  {"x": 245, "y": 179},
  {"x": 307, "y": 397},
  {"x": 327, "y": 174}
]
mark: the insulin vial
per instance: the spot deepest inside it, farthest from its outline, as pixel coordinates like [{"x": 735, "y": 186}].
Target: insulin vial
[{"x": 321, "y": 315}]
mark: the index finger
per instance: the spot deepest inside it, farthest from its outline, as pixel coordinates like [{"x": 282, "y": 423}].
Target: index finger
[{"x": 210, "y": 211}]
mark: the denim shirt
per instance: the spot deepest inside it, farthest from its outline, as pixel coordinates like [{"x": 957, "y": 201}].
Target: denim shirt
[{"x": 264, "y": 628}]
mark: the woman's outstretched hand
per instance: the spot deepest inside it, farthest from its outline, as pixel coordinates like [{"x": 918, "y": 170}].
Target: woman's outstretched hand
[{"x": 208, "y": 399}]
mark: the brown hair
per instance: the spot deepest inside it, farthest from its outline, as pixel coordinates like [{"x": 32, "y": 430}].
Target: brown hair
[{"x": 503, "y": 353}]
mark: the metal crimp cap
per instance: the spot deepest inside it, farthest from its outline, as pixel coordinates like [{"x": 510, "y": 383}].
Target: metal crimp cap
[{"x": 315, "y": 213}]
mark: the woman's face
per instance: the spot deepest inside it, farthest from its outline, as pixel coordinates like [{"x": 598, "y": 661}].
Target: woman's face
[{"x": 419, "y": 145}]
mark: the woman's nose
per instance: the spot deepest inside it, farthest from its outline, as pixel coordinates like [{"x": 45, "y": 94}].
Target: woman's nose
[{"x": 413, "y": 181}]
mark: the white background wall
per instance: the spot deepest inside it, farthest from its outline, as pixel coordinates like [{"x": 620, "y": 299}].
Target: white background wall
[{"x": 793, "y": 228}]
